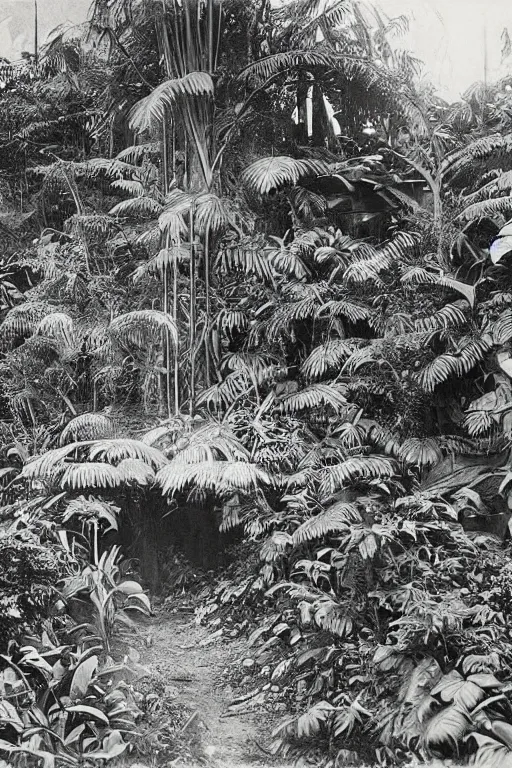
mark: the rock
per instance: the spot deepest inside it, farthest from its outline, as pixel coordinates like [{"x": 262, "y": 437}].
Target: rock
[{"x": 248, "y": 663}]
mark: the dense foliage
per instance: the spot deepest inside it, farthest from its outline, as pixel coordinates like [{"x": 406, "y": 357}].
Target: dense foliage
[{"x": 254, "y": 267}]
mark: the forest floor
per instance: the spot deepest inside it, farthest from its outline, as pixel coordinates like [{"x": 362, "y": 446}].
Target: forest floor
[{"x": 198, "y": 677}]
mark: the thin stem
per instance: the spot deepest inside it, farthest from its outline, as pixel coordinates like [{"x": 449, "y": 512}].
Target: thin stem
[{"x": 192, "y": 312}]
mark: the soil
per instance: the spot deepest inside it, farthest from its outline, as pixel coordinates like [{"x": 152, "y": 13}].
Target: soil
[{"x": 200, "y": 673}]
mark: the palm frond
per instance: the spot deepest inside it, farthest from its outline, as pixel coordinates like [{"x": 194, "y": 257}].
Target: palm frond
[
  {"x": 449, "y": 316},
  {"x": 116, "y": 450},
  {"x": 138, "y": 152},
  {"x": 219, "y": 477},
  {"x": 420, "y": 452},
  {"x": 502, "y": 182},
  {"x": 502, "y": 328},
  {"x": 269, "y": 173},
  {"x": 280, "y": 62},
  {"x": 23, "y": 319},
  {"x": 353, "y": 312},
  {"x": 90, "y": 474},
  {"x": 496, "y": 146},
  {"x": 332, "y": 479},
  {"x": 326, "y": 358},
  {"x": 136, "y": 472},
  {"x": 335, "y": 518},
  {"x": 87, "y": 426},
  {"x": 140, "y": 326},
  {"x": 487, "y": 209},
  {"x": 152, "y": 109},
  {"x": 315, "y": 396},
  {"x": 58, "y": 326},
  {"x": 247, "y": 257},
  {"x": 137, "y": 206},
  {"x": 459, "y": 363}
]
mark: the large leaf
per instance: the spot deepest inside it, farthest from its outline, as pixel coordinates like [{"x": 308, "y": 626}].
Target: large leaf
[
  {"x": 152, "y": 109},
  {"x": 446, "y": 728},
  {"x": 82, "y": 678},
  {"x": 270, "y": 173}
]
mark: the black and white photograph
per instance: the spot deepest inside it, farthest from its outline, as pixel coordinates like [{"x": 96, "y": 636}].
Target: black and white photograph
[{"x": 255, "y": 383}]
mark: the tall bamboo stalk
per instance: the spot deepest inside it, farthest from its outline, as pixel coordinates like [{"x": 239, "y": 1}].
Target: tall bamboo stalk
[{"x": 192, "y": 312}]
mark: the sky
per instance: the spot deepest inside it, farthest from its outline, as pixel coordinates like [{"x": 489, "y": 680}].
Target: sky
[{"x": 447, "y": 35}]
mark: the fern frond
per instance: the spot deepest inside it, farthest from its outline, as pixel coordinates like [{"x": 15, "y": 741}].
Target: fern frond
[
  {"x": 152, "y": 109},
  {"x": 269, "y": 173},
  {"x": 87, "y": 426},
  {"x": 315, "y": 396},
  {"x": 338, "y": 517},
  {"x": 326, "y": 358},
  {"x": 332, "y": 479}
]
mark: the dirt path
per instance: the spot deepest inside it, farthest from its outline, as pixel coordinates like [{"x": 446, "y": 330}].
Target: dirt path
[{"x": 196, "y": 668}]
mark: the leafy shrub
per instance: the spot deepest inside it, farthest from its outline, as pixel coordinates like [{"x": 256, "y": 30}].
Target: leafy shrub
[{"x": 28, "y": 574}]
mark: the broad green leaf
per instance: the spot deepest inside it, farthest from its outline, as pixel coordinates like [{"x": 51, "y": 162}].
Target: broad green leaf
[
  {"x": 92, "y": 713},
  {"x": 82, "y": 677}
]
